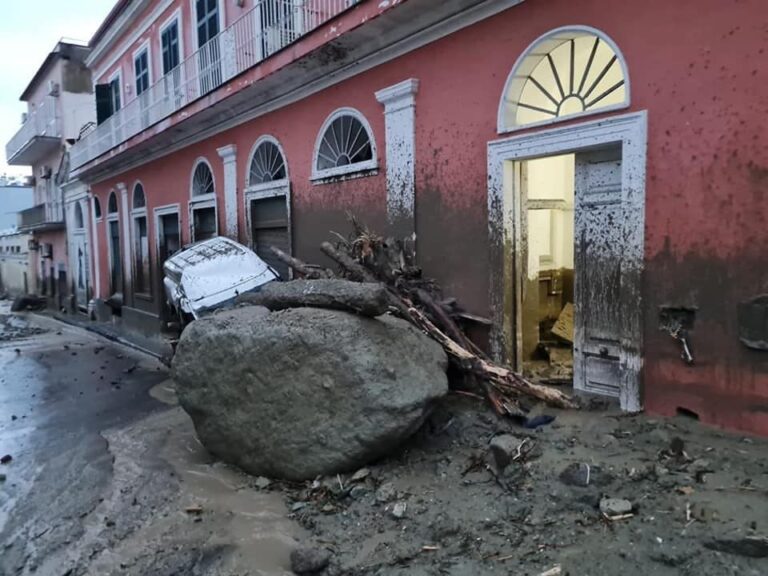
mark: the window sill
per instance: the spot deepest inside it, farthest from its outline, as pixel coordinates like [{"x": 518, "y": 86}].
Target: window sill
[
  {"x": 332, "y": 178},
  {"x": 147, "y": 297}
]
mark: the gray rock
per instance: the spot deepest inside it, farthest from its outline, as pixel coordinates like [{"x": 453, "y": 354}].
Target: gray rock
[
  {"x": 399, "y": 509},
  {"x": 386, "y": 492},
  {"x": 583, "y": 475},
  {"x": 309, "y": 560},
  {"x": 262, "y": 483},
  {"x": 366, "y": 299},
  {"x": 615, "y": 506},
  {"x": 305, "y": 392},
  {"x": 503, "y": 449}
]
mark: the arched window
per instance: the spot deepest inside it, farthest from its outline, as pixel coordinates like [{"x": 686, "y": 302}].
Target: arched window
[
  {"x": 96, "y": 207},
  {"x": 267, "y": 163},
  {"x": 345, "y": 145},
  {"x": 202, "y": 203},
  {"x": 568, "y": 72},
  {"x": 79, "y": 223},
  {"x": 141, "y": 262},
  {"x": 202, "y": 180},
  {"x": 112, "y": 204},
  {"x": 139, "y": 199}
]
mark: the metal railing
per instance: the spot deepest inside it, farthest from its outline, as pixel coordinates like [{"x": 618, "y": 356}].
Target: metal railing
[
  {"x": 43, "y": 121},
  {"x": 268, "y": 27},
  {"x": 40, "y": 215}
]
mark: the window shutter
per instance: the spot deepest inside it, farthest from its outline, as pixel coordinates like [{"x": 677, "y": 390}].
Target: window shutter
[{"x": 103, "y": 102}]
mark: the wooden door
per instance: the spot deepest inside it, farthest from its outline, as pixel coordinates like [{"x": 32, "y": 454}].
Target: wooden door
[{"x": 598, "y": 250}]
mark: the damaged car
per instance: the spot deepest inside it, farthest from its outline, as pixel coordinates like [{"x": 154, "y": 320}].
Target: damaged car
[{"x": 210, "y": 274}]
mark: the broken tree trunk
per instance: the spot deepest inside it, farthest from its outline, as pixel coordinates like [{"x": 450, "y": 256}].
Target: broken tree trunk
[
  {"x": 306, "y": 270},
  {"x": 365, "y": 299},
  {"x": 501, "y": 378}
]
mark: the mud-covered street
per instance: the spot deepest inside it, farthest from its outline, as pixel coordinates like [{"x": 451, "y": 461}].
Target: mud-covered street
[{"x": 107, "y": 477}]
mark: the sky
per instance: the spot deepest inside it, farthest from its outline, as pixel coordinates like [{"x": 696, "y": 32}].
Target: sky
[{"x": 29, "y": 30}]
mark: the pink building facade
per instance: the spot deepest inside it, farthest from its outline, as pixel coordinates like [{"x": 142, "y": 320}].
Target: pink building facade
[{"x": 589, "y": 153}]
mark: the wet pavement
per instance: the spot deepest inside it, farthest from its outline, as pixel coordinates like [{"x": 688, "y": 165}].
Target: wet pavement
[{"x": 107, "y": 476}]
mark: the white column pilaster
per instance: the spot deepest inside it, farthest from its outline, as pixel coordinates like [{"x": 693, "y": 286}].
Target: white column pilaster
[
  {"x": 400, "y": 127},
  {"x": 125, "y": 220},
  {"x": 228, "y": 155}
]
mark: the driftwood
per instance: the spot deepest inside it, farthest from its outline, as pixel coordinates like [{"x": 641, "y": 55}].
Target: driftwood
[
  {"x": 307, "y": 271},
  {"x": 369, "y": 258}
]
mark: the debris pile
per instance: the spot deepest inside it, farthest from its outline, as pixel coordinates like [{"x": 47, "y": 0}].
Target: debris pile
[{"x": 369, "y": 258}]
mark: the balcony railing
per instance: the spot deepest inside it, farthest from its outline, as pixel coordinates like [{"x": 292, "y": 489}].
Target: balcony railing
[
  {"x": 42, "y": 122},
  {"x": 41, "y": 216},
  {"x": 268, "y": 27}
]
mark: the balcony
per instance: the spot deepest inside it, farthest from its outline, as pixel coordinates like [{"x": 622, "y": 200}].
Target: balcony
[
  {"x": 41, "y": 218},
  {"x": 265, "y": 29},
  {"x": 38, "y": 136}
]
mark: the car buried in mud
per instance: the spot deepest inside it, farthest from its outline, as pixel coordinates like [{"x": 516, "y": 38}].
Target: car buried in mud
[{"x": 210, "y": 274}]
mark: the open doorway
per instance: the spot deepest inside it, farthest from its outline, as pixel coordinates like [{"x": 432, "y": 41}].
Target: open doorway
[
  {"x": 603, "y": 162},
  {"x": 547, "y": 219}
]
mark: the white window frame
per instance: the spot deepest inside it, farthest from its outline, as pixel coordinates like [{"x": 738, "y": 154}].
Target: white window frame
[
  {"x": 201, "y": 201},
  {"x": 117, "y": 74},
  {"x": 503, "y": 128},
  {"x": 109, "y": 218},
  {"x": 359, "y": 169},
  {"x": 137, "y": 213},
  {"x": 265, "y": 185},
  {"x": 143, "y": 47},
  {"x": 193, "y": 27},
  {"x": 177, "y": 18},
  {"x": 166, "y": 210}
]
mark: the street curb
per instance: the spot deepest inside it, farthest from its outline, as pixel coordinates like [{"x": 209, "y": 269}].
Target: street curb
[{"x": 105, "y": 335}]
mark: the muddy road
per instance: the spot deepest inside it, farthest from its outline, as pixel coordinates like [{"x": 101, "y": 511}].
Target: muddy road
[{"x": 106, "y": 475}]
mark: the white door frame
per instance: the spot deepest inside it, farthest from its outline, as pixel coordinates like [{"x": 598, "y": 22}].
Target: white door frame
[{"x": 505, "y": 236}]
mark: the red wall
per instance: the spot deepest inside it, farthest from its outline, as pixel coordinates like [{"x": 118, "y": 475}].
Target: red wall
[{"x": 695, "y": 65}]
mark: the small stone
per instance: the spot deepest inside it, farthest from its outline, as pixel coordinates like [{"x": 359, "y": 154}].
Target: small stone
[
  {"x": 503, "y": 449},
  {"x": 615, "y": 506},
  {"x": 298, "y": 506},
  {"x": 309, "y": 560},
  {"x": 361, "y": 474},
  {"x": 399, "y": 509},
  {"x": 358, "y": 492},
  {"x": 5, "y": 459},
  {"x": 262, "y": 483},
  {"x": 14, "y": 417},
  {"x": 583, "y": 475},
  {"x": 386, "y": 493},
  {"x": 660, "y": 470},
  {"x": 2, "y": 477}
]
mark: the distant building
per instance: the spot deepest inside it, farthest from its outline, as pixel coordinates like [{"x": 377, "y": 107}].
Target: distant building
[
  {"x": 14, "y": 262},
  {"x": 60, "y": 106},
  {"x": 14, "y": 199}
]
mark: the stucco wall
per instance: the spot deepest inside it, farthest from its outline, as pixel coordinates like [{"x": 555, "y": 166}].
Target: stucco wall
[{"x": 707, "y": 173}]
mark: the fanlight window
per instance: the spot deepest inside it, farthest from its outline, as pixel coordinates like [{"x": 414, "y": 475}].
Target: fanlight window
[
  {"x": 139, "y": 200},
  {"x": 569, "y": 72},
  {"x": 202, "y": 180},
  {"x": 267, "y": 164},
  {"x": 345, "y": 146},
  {"x": 112, "y": 204}
]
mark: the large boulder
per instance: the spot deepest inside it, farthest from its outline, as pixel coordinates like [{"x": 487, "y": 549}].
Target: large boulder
[{"x": 305, "y": 392}]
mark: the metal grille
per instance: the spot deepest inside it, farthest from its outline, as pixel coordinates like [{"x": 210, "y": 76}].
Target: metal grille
[
  {"x": 267, "y": 164},
  {"x": 345, "y": 142}
]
